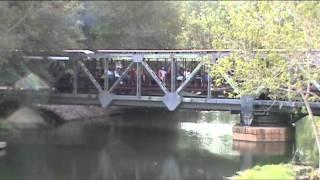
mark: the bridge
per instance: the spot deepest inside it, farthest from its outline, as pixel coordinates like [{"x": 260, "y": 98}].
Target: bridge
[{"x": 172, "y": 79}]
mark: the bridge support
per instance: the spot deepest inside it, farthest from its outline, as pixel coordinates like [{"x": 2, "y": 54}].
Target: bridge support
[
  {"x": 262, "y": 133},
  {"x": 246, "y": 104},
  {"x": 264, "y": 126},
  {"x": 260, "y": 125},
  {"x": 172, "y": 100}
]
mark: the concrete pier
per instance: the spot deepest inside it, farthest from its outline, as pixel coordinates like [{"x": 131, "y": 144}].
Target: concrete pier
[{"x": 262, "y": 133}]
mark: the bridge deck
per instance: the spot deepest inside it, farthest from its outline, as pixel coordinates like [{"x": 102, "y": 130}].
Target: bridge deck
[{"x": 216, "y": 104}]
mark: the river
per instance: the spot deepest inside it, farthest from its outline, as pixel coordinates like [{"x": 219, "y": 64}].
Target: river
[{"x": 137, "y": 144}]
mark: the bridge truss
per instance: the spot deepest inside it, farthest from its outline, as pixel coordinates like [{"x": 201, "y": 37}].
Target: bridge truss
[{"x": 171, "y": 92}]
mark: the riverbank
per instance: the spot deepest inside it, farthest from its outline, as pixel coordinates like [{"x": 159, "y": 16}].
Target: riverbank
[
  {"x": 278, "y": 171},
  {"x": 76, "y": 112},
  {"x": 46, "y": 115}
]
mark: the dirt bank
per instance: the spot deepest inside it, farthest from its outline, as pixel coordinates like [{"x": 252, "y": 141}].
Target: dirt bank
[
  {"x": 74, "y": 112},
  {"x": 46, "y": 115}
]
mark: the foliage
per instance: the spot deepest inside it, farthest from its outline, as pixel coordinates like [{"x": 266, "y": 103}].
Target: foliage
[
  {"x": 248, "y": 28},
  {"x": 281, "y": 171},
  {"x": 29, "y": 25},
  {"x": 131, "y": 25},
  {"x": 243, "y": 26},
  {"x": 35, "y": 26},
  {"x": 250, "y": 74}
]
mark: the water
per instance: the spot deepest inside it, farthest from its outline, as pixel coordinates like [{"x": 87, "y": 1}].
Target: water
[{"x": 139, "y": 144}]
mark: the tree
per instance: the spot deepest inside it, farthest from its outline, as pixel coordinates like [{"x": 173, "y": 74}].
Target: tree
[
  {"x": 204, "y": 25},
  {"x": 256, "y": 31},
  {"x": 35, "y": 26},
  {"x": 131, "y": 25}
]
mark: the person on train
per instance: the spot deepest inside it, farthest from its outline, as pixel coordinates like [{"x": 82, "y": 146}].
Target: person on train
[
  {"x": 180, "y": 76},
  {"x": 168, "y": 75},
  {"x": 162, "y": 74},
  {"x": 117, "y": 73},
  {"x": 205, "y": 79},
  {"x": 144, "y": 77},
  {"x": 197, "y": 80},
  {"x": 132, "y": 76},
  {"x": 186, "y": 73},
  {"x": 110, "y": 76}
]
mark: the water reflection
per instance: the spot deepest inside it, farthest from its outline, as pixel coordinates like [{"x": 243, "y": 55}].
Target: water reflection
[
  {"x": 306, "y": 147},
  {"x": 140, "y": 144},
  {"x": 263, "y": 148},
  {"x": 170, "y": 169}
]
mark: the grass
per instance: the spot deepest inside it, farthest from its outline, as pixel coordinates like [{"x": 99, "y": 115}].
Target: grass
[
  {"x": 279, "y": 171},
  {"x": 317, "y": 120}
]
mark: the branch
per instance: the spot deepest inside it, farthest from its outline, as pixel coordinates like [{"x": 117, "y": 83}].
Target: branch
[
  {"x": 305, "y": 100},
  {"x": 274, "y": 101},
  {"x": 299, "y": 91},
  {"x": 22, "y": 19}
]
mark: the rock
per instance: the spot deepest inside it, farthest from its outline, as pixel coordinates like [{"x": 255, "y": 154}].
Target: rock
[
  {"x": 25, "y": 118},
  {"x": 304, "y": 172},
  {"x": 74, "y": 112},
  {"x": 300, "y": 170},
  {"x": 3, "y": 144}
]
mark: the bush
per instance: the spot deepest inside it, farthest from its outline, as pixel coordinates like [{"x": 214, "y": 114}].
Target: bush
[{"x": 281, "y": 171}]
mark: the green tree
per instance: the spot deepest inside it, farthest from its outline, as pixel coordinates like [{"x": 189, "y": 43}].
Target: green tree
[
  {"x": 272, "y": 42},
  {"x": 131, "y": 25},
  {"x": 35, "y": 26}
]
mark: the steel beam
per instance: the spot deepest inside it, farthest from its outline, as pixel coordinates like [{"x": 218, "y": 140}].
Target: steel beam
[
  {"x": 155, "y": 77},
  {"x": 209, "y": 84},
  {"x": 106, "y": 74},
  {"x": 115, "y": 84},
  {"x": 75, "y": 78},
  {"x": 138, "y": 91},
  {"x": 92, "y": 79},
  {"x": 231, "y": 82},
  {"x": 173, "y": 75},
  {"x": 247, "y": 109},
  {"x": 222, "y": 104},
  {"x": 266, "y": 103},
  {"x": 184, "y": 84}
]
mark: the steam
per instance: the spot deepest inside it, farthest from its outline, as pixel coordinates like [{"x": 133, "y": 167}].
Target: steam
[{"x": 31, "y": 82}]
